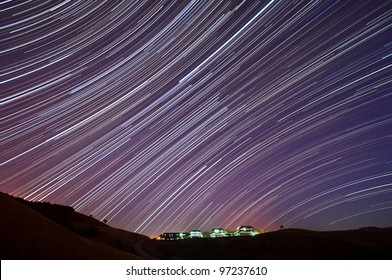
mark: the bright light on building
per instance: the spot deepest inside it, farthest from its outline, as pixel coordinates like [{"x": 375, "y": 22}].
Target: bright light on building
[
  {"x": 195, "y": 234},
  {"x": 218, "y": 232},
  {"x": 215, "y": 232}
]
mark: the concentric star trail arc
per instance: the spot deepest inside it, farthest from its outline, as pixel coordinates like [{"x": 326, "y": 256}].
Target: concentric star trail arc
[{"x": 176, "y": 115}]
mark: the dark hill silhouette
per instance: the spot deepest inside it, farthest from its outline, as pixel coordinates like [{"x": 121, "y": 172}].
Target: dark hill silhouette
[
  {"x": 287, "y": 244},
  {"x": 376, "y": 229},
  {"x": 86, "y": 226},
  {"x": 32, "y": 230}
]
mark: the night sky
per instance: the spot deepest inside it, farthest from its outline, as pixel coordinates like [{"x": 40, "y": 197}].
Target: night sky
[{"x": 164, "y": 116}]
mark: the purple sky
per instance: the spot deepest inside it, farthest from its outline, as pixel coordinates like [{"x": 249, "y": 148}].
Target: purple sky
[{"x": 178, "y": 115}]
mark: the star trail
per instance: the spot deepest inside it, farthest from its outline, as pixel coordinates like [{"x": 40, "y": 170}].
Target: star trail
[{"x": 176, "y": 115}]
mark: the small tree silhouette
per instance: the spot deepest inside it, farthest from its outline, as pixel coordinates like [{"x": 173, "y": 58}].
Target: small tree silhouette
[{"x": 281, "y": 227}]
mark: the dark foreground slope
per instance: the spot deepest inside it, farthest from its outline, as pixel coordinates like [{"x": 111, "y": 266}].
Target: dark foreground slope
[
  {"x": 290, "y": 244},
  {"x": 45, "y": 231}
]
